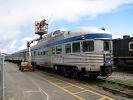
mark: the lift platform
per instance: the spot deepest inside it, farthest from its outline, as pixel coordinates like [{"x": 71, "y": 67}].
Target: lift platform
[
  {"x": 41, "y": 28},
  {"x": 25, "y": 67}
]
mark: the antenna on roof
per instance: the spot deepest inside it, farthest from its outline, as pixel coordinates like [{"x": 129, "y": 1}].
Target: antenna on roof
[{"x": 103, "y": 28}]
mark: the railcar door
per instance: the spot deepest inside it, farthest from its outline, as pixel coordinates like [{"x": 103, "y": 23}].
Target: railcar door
[
  {"x": 107, "y": 51},
  {"x": 106, "y": 69}
]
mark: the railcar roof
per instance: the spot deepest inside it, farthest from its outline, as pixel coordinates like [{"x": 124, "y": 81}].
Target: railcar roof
[
  {"x": 79, "y": 31},
  {"x": 19, "y": 51},
  {"x": 90, "y": 30}
]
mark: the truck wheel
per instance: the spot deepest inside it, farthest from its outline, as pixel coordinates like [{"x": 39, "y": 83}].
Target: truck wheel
[
  {"x": 22, "y": 69},
  {"x": 33, "y": 69},
  {"x": 19, "y": 67}
]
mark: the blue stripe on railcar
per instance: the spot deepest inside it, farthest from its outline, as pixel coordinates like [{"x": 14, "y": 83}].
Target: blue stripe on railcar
[{"x": 75, "y": 38}]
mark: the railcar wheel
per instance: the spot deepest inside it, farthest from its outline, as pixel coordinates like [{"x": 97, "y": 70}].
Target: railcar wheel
[
  {"x": 81, "y": 76},
  {"x": 74, "y": 73},
  {"x": 64, "y": 71},
  {"x": 93, "y": 77},
  {"x": 33, "y": 69},
  {"x": 55, "y": 68},
  {"x": 110, "y": 71}
]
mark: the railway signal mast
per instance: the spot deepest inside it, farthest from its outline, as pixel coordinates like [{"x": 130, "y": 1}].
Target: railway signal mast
[{"x": 41, "y": 28}]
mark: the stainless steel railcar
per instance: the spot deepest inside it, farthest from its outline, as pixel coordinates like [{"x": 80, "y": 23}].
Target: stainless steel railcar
[
  {"x": 16, "y": 57},
  {"x": 80, "y": 52}
]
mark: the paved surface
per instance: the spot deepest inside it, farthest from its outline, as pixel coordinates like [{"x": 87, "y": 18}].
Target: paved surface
[{"x": 45, "y": 86}]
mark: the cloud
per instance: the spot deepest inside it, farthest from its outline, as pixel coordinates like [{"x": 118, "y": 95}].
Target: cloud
[{"x": 16, "y": 14}]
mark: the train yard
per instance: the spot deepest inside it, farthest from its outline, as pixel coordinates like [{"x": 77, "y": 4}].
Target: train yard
[
  {"x": 41, "y": 85},
  {"x": 76, "y": 64}
]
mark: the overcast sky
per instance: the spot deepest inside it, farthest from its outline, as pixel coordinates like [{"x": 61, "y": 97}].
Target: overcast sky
[{"x": 17, "y": 18}]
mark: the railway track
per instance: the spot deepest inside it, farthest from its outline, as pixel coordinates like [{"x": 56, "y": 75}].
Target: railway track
[
  {"x": 113, "y": 82},
  {"x": 124, "y": 70},
  {"x": 120, "y": 88}
]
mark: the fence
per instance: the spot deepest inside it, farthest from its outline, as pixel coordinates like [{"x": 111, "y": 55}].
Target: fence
[{"x": 1, "y": 77}]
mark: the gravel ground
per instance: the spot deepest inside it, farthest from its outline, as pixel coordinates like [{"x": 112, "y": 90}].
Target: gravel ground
[{"x": 121, "y": 76}]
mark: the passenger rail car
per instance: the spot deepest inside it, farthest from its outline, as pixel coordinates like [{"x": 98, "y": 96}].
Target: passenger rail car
[
  {"x": 16, "y": 57},
  {"x": 80, "y": 52},
  {"x": 123, "y": 53}
]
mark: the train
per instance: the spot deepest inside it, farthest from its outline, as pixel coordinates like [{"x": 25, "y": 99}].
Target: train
[
  {"x": 86, "y": 51},
  {"x": 123, "y": 53}
]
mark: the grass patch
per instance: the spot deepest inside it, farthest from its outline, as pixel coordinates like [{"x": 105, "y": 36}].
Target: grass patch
[
  {"x": 124, "y": 82},
  {"x": 112, "y": 86}
]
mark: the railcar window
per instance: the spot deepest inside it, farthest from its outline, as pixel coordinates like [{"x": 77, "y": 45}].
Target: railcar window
[
  {"x": 43, "y": 52},
  {"x": 53, "y": 50},
  {"x": 131, "y": 46},
  {"x": 76, "y": 47},
  {"x": 106, "y": 46},
  {"x": 47, "y": 52},
  {"x": 39, "y": 53},
  {"x": 88, "y": 46},
  {"x": 68, "y": 48},
  {"x": 58, "y": 49},
  {"x": 34, "y": 53}
]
